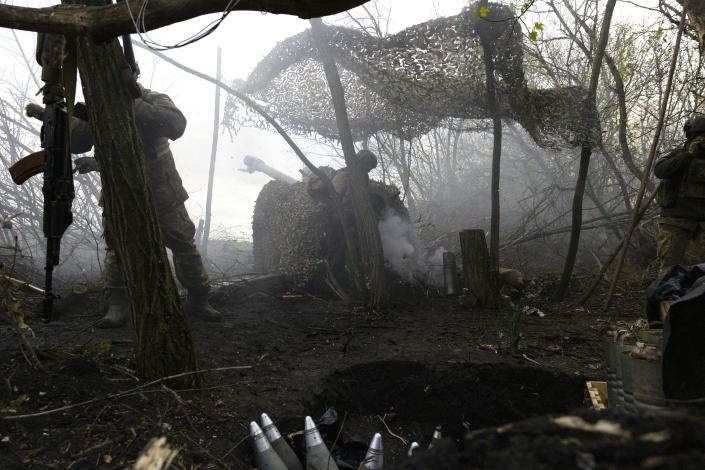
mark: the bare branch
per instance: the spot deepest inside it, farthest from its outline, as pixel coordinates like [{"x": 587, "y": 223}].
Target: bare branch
[{"x": 114, "y": 20}]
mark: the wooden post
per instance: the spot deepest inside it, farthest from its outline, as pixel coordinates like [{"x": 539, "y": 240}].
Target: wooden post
[
  {"x": 476, "y": 267},
  {"x": 211, "y": 172}
]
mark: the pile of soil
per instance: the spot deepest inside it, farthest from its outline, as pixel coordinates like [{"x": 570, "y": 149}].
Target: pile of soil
[{"x": 669, "y": 441}]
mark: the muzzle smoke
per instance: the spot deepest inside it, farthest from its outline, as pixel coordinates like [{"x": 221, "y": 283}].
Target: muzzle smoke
[{"x": 405, "y": 255}]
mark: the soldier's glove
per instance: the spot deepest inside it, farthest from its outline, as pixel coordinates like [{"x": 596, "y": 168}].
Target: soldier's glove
[
  {"x": 696, "y": 147},
  {"x": 35, "y": 111},
  {"x": 85, "y": 165}
]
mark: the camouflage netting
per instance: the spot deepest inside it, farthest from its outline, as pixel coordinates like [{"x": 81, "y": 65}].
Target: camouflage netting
[
  {"x": 407, "y": 83},
  {"x": 293, "y": 234}
]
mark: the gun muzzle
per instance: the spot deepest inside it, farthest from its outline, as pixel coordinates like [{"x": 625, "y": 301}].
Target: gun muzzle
[{"x": 253, "y": 164}]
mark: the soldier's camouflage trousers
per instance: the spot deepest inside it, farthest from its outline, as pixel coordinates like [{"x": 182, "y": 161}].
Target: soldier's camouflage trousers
[
  {"x": 178, "y": 232},
  {"x": 680, "y": 241}
]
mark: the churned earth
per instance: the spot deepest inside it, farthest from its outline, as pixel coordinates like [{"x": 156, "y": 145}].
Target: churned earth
[{"x": 423, "y": 362}]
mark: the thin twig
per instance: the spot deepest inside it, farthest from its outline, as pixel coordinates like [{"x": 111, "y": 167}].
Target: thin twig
[
  {"x": 650, "y": 161},
  {"x": 93, "y": 448},
  {"x": 114, "y": 396},
  {"x": 403, "y": 441},
  {"x": 531, "y": 360},
  {"x": 337, "y": 436}
]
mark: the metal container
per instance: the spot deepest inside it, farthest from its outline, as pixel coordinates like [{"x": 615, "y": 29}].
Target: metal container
[
  {"x": 615, "y": 392},
  {"x": 648, "y": 385},
  {"x": 617, "y": 343},
  {"x": 450, "y": 274},
  {"x": 647, "y": 371}
]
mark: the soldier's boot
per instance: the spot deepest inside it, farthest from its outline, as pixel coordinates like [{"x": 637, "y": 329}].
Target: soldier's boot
[
  {"x": 197, "y": 305},
  {"x": 118, "y": 309}
]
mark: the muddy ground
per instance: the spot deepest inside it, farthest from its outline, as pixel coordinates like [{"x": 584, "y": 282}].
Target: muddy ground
[{"x": 424, "y": 362}]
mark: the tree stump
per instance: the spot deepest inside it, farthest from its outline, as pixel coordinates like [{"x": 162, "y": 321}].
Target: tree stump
[{"x": 476, "y": 267}]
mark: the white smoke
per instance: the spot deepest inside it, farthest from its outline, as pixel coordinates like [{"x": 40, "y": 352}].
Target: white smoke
[
  {"x": 434, "y": 268},
  {"x": 405, "y": 255}
]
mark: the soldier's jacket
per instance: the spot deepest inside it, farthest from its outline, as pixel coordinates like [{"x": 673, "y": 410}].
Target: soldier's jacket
[
  {"x": 681, "y": 192},
  {"x": 158, "y": 121}
]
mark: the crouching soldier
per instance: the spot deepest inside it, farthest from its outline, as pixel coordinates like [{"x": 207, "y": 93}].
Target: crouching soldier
[
  {"x": 681, "y": 195},
  {"x": 158, "y": 121},
  {"x": 340, "y": 179}
]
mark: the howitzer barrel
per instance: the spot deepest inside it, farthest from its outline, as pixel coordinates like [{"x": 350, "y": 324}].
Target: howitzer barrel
[{"x": 255, "y": 164}]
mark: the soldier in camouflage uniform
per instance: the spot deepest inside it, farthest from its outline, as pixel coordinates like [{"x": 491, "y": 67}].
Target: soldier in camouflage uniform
[
  {"x": 158, "y": 121},
  {"x": 681, "y": 195}
]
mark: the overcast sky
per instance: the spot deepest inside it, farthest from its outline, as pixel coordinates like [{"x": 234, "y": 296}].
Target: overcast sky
[{"x": 245, "y": 37}]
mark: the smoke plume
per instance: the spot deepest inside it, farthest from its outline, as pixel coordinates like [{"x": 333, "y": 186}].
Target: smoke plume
[{"x": 405, "y": 255}]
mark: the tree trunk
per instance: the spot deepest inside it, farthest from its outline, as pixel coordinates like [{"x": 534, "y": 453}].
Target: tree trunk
[
  {"x": 585, "y": 153},
  {"x": 164, "y": 345},
  {"x": 476, "y": 267},
  {"x": 696, "y": 13},
  {"x": 365, "y": 219},
  {"x": 577, "y": 221},
  {"x": 108, "y": 21},
  {"x": 214, "y": 153},
  {"x": 618, "y": 88},
  {"x": 488, "y": 42}
]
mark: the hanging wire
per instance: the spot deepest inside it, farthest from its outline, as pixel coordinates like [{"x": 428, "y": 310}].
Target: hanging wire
[{"x": 141, "y": 27}]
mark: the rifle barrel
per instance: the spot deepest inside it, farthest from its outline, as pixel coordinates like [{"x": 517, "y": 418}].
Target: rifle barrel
[{"x": 48, "y": 305}]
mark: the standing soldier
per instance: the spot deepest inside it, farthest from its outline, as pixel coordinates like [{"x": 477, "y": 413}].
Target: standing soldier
[
  {"x": 158, "y": 121},
  {"x": 681, "y": 195}
]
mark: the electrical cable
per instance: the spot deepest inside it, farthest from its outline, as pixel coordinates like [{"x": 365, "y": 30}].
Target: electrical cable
[{"x": 141, "y": 27}]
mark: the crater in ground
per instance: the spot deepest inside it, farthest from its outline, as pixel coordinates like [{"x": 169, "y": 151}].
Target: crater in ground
[{"x": 411, "y": 399}]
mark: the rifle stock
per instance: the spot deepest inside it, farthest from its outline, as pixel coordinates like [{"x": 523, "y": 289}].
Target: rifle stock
[{"x": 29, "y": 166}]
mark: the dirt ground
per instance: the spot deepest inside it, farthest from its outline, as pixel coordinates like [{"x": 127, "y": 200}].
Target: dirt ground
[{"x": 424, "y": 362}]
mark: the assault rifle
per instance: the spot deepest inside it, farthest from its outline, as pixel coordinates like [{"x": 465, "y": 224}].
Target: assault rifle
[
  {"x": 57, "y": 188},
  {"x": 54, "y": 160}
]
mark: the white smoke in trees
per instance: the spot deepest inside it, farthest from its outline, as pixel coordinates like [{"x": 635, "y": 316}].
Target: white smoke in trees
[{"x": 404, "y": 253}]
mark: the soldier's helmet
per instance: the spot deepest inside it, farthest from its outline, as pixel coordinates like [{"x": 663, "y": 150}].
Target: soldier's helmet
[
  {"x": 367, "y": 159},
  {"x": 695, "y": 124}
]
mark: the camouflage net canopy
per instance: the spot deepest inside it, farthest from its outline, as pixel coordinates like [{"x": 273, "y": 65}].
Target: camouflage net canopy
[
  {"x": 295, "y": 235},
  {"x": 408, "y": 83}
]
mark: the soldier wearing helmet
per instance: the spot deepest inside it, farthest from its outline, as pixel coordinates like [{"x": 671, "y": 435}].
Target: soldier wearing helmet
[
  {"x": 158, "y": 121},
  {"x": 681, "y": 195}
]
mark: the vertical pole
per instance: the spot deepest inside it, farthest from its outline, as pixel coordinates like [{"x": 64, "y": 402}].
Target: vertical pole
[
  {"x": 211, "y": 171},
  {"x": 199, "y": 233}
]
